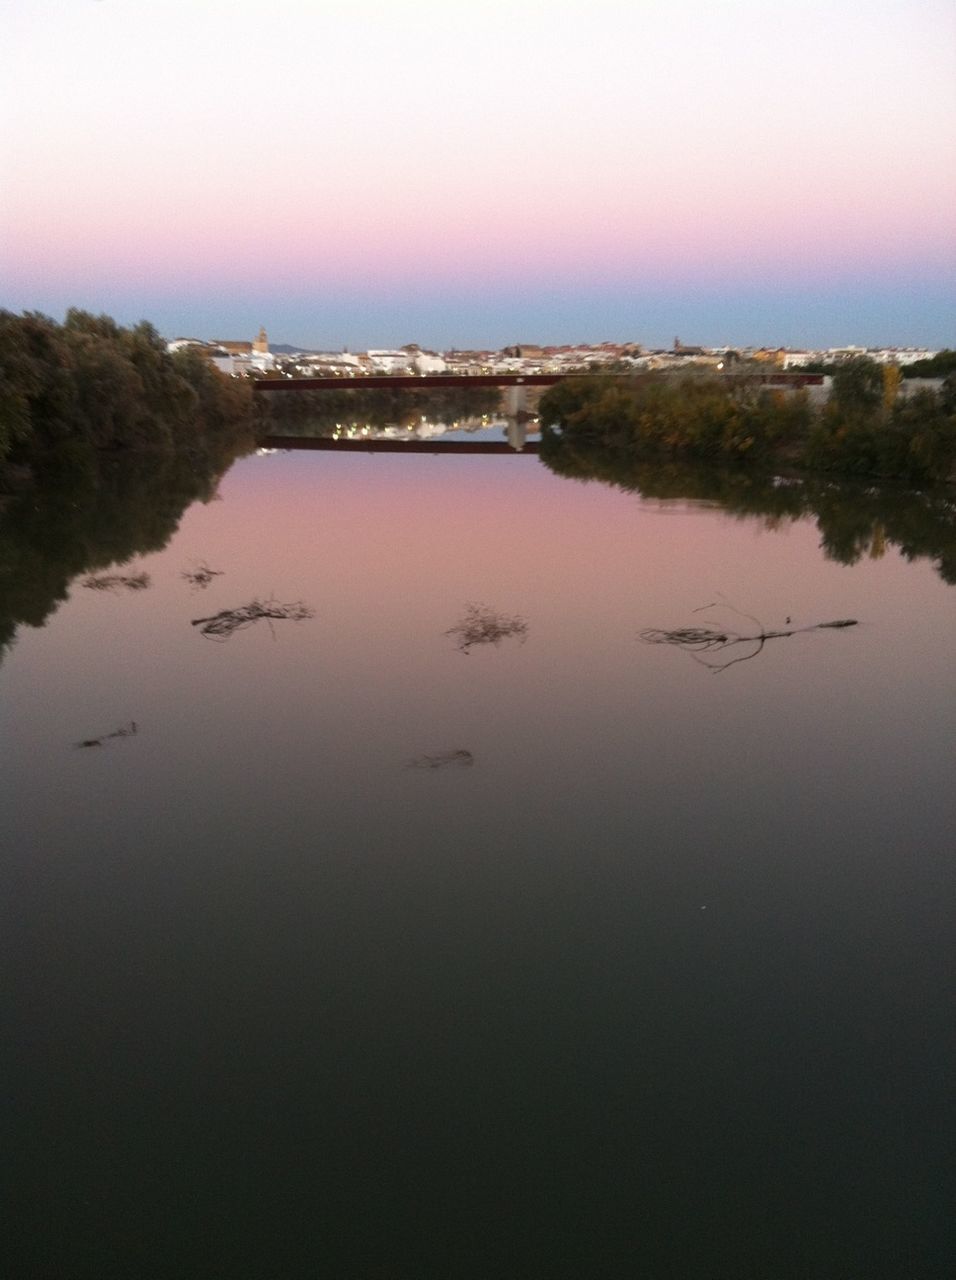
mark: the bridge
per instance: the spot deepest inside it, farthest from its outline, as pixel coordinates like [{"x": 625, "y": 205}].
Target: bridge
[
  {"x": 405, "y": 382},
  {"x": 408, "y": 381}
]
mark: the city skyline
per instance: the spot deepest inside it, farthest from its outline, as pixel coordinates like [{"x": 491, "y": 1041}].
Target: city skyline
[{"x": 475, "y": 177}]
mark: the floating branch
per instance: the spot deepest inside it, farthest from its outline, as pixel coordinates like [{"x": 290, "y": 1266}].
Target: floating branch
[
  {"x": 482, "y": 625},
  {"x": 709, "y": 639},
  {"x": 443, "y": 760},
  {"x": 115, "y": 581},
  {"x": 222, "y": 625},
  {"x": 124, "y": 731},
  {"x": 201, "y": 576}
]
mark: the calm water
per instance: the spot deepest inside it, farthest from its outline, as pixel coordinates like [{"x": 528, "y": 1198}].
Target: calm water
[{"x": 654, "y": 981}]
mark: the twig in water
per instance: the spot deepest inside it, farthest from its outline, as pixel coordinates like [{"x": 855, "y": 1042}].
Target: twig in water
[
  {"x": 113, "y": 581},
  {"x": 124, "y": 731},
  {"x": 201, "y": 576},
  {"x": 708, "y": 639},
  {"x": 223, "y": 624},
  {"x": 444, "y": 759},
  {"x": 482, "y": 625}
]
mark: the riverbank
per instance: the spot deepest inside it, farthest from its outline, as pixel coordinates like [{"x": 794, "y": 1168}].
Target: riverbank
[{"x": 864, "y": 429}]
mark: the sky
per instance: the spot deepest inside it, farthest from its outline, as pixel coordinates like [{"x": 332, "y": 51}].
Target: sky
[{"x": 479, "y": 174}]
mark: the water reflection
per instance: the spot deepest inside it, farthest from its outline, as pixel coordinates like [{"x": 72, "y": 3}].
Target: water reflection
[
  {"x": 855, "y": 519},
  {"x": 352, "y": 412},
  {"x": 113, "y": 509},
  {"x": 104, "y": 511},
  {"x": 361, "y": 957}
]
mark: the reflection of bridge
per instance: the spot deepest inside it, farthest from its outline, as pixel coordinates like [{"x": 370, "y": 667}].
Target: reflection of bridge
[{"x": 364, "y": 445}]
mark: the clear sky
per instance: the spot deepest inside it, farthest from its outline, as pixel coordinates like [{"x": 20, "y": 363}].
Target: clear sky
[{"x": 370, "y": 172}]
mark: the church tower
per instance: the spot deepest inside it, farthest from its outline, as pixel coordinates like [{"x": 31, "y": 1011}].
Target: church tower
[{"x": 261, "y": 344}]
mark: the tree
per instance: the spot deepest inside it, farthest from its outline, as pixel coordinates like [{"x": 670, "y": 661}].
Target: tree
[{"x": 857, "y": 387}]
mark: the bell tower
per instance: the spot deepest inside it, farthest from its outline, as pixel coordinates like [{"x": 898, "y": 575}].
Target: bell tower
[{"x": 261, "y": 344}]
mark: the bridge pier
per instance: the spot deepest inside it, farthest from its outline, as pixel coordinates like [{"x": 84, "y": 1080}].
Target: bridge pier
[{"x": 516, "y": 400}]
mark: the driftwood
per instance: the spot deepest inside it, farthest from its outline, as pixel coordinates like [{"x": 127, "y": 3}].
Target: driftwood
[
  {"x": 444, "y": 759},
  {"x": 114, "y": 581},
  {"x": 223, "y": 624},
  {"x": 710, "y": 639},
  {"x": 482, "y": 625},
  {"x": 201, "y": 576},
  {"x": 125, "y": 731}
]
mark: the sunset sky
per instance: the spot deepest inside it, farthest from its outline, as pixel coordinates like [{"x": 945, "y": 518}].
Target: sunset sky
[{"x": 476, "y": 174}]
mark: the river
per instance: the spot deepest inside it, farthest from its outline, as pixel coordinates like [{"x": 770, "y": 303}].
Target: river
[{"x": 384, "y": 948}]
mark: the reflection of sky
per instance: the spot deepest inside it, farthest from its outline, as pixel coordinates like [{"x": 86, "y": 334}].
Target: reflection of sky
[
  {"x": 374, "y": 174},
  {"x": 388, "y": 551}
]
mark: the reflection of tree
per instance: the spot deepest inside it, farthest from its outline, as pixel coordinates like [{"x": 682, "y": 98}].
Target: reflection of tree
[
  {"x": 320, "y": 413},
  {"x": 104, "y": 510},
  {"x": 855, "y": 518}
]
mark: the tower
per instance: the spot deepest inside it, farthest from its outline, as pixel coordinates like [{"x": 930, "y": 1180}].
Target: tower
[{"x": 261, "y": 343}]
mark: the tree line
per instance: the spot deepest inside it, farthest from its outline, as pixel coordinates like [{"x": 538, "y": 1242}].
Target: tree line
[
  {"x": 91, "y": 384},
  {"x": 866, "y": 427},
  {"x": 941, "y": 365}
]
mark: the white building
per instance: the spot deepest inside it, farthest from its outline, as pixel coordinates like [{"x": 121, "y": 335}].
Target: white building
[
  {"x": 388, "y": 361},
  {"x": 428, "y": 362}
]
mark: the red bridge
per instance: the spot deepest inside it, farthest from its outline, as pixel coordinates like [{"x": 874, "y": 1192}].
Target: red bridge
[{"x": 390, "y": 382}]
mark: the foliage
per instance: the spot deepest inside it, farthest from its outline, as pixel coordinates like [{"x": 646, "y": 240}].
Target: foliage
[
  {"x": 92, "y": 384},
  {"x": 692, "y": 415},
  {"x": 911, "y": 438},
  {"x": 864, "y": 429},
  {"x": 857, "y": 387},
  {"x": 939, "y": 366}
]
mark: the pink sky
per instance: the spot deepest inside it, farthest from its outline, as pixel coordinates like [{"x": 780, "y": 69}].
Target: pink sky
[{"x": 351, "y": 175}]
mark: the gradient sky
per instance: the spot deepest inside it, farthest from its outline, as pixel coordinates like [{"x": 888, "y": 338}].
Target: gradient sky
[{"x": 475, "y": 174}]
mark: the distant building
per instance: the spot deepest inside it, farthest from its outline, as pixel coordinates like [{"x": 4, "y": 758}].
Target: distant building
[
  {"x": 681, "y": 350},
  {"x": 340, "y": 364},
  {"x": 233, "y": 347},
  {"x": 388, "y": 361}
]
